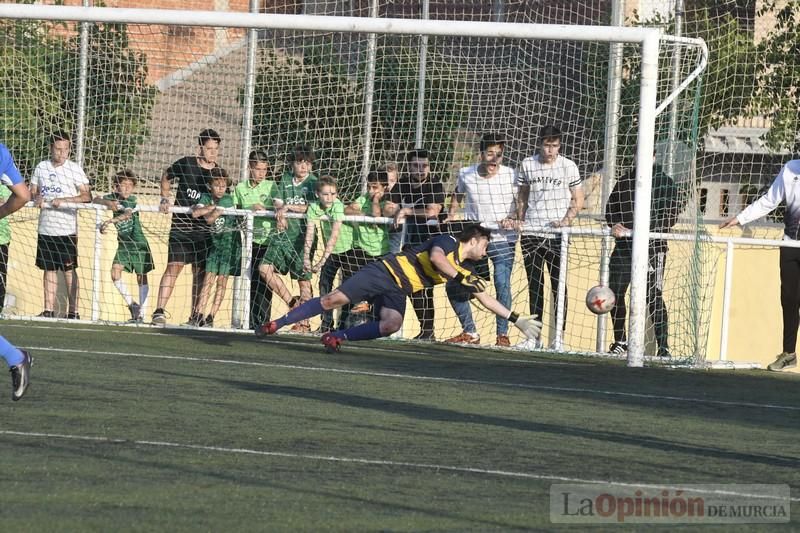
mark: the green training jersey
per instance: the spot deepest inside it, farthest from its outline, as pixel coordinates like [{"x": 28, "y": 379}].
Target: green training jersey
[
  {"x": 297, "y": 194},
  {"x": 246, "y": 196},
  {"x": 334, "y": 212},
  {"x": 129, "y": 232},
  {"x": 5, "y": 229},
  {"x": 372, "y": 238},
  {"x": 224, "y": 230}
]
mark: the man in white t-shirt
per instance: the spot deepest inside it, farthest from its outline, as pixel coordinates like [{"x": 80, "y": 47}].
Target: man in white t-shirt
[
  {"x": 550, "y": 196},
  {"x": 56, "y": 181},
  {"x": 488, "y": 191}
]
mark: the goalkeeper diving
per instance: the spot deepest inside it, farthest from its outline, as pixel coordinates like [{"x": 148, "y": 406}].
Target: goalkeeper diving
[{"x": 387, "y": 283}]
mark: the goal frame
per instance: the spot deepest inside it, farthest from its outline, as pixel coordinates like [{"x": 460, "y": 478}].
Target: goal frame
[{"x": 647, "y": 39}]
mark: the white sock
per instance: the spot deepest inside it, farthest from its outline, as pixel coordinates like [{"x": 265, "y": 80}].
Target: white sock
[
  {"x": 143, "y": 291},
  {"x": 123, "y": 290}
]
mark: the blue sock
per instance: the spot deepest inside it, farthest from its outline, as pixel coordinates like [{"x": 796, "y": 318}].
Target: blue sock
[
  {"x": 10, "y": 353},
  {"x": 364, "y": 332},
  {"x": 306, "y": 310}
]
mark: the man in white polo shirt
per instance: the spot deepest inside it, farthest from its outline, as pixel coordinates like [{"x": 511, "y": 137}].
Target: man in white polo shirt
[
  {"x": 55, "y": 181},
  {"x": 550, "y": 196},
  {"x": 488, "y": 191}
]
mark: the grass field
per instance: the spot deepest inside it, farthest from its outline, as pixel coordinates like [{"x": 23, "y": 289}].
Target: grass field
[{"x": 141, "y": 429}]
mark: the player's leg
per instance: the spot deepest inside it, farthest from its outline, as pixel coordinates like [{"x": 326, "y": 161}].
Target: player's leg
[
  {"x": 619, "y": 278},
  {"x": 655, "y": 301},
  {"x": 552, "y": 256},
  {"x": 388, "y": 299},
  {"x": 306, "y": 310},
  {"x": 260, "y": 293},
  {"x": 144, "y": 291},
  {"x": 422, "y": 302},
  {"x": 219, "y": 296},
  {"x": 533, "y": 260},
  {"x": 459, "y": 301},
  {"x": 326, "y": 277},
  {"x": 165, "y": 289},
  {"x": 19, "y": 364},
  {"x": 119, "y": 283},
  {"x": 790, "y": 296},
  {"x": 44, "y": 262},
  {"x": 501, "y": 253},
  {"x": 68, "y": 252}
]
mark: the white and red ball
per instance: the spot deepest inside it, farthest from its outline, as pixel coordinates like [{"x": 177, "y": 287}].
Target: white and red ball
[{"x": 600, "y": 299}]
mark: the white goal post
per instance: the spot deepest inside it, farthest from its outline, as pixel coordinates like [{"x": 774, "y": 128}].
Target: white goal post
[{"x": 647, "y": 39}]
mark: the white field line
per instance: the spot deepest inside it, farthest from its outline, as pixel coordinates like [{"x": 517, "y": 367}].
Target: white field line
[
  {"x": 376, "y": 462},
  {"x": 350, "y": 347},
  {"x": 426, "y": 378}
]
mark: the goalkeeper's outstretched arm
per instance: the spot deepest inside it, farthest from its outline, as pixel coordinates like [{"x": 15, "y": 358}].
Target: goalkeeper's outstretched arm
[{"x": 527, "y": 324}]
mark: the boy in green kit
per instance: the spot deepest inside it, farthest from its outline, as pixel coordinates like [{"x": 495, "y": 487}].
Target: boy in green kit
[
  {"x": 370, "y": 241},
  {"x": 5, "y": 240},
  {"x": 338, "y": 238},
  {"x": 225, "y": 252},
  {"x": 257, "y": 194},
  {"x": 133, "y": 251},
  {"x": 284, "y": 253}
]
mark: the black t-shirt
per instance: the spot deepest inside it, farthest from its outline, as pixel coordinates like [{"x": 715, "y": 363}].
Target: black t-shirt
[
  {"x": 192, "y": 184},
  {"x": 418, "y": 195}
]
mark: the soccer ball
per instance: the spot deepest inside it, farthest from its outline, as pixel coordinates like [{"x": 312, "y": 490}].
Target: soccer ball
[{"x": 600, "y": 300}]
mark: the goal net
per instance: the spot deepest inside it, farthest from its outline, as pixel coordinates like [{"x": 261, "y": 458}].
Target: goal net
[{"x": 136, "y": 93}]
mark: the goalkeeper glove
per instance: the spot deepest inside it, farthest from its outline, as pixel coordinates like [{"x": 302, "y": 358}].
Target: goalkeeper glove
[
  {"x": 471, "y": 282},
  {"x": 527, "y": 324}
]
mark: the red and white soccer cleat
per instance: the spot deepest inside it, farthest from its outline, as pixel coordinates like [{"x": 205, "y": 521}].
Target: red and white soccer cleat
[{"x": 332, "y": 343}]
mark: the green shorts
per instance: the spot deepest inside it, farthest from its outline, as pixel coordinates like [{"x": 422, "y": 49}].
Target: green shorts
[
  {"x": 225, "y": 260},
  {"x": 134, "y": 258},
  {"x": 286, "y": 256}
]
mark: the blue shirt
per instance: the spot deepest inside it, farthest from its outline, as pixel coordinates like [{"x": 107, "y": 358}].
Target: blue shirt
[{"x": 9, "y": 173}]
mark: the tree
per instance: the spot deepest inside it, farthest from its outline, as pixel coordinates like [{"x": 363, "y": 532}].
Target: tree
[
  {"x": 40, "y": 65},
  {"x": 726, "y": 84},
  {"x": 778, "y": 75}
]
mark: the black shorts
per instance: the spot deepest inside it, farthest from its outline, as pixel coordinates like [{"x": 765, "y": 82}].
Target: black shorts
[
  {"x": 187, "y": 248},
  {"x": 57, "y": 252},
  {"x": 374, "y": 284}
]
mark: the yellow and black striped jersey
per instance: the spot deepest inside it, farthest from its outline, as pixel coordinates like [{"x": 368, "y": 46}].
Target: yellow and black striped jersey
[{"x": 412, "y": 269}]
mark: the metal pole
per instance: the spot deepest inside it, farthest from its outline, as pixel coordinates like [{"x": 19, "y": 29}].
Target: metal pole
[
  {"x": 726, "y": 302},
  {"x": 369, "y": 98},
  {"x": 641, "y": 213},
  {"x": 610, "y": 154},
  {"x": 83, "y": 80},
  {"x": 423, "y": 59},
  {"x": 672, "y": 136},
  {"x": 241, "y": 284}
]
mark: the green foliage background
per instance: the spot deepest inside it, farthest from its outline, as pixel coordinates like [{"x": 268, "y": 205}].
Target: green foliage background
[{"x": 40, "y": 66}]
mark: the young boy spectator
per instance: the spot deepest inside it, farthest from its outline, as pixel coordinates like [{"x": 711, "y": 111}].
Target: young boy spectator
[
  {"x": 133, "y": 251},
  {"x": 338, "y": 239},
  {"x": 58, "y": 180},
  {"x": 392, "y": 201},
  {"x": 371, "y": 241},
  {"x": 224, "y": 257},
  {"x": 5, "y": 240},
  {"x": 188, "y": 241},
  {"x": 257, "y": 194},
  {"x": 422, "y": 200},
  {"x": 284, "y": 253}
]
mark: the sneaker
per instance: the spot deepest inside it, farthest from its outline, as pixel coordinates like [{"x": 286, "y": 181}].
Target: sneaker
[
  {"x": 294, "y": 302},
  {"x": 73, "y": 316},
  {"x": 207, "y": 322},
  {"x": 361, "y": 308},
  {"x": 135, "y": 310},
  {"x": 425, "y": 336},
  {"x": 195, "y": 319},
  {"x": 46, "y": 314},
  {"x": 784, "y": 361},
  {"x": 267, "y": 328},
  {"x": 465, "y": 337},
  {"x": 332, "y": 343},
  {"x": 529, "y": 345},
  {"x": 20, "y": 376},
  {"x": 159, "y": 317},
  {"x": 663, "y": 352},
  {"x": 301, "y": 327},
  {"x": 503, "y": 340},
  {"x": 618, "y": 348}
]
